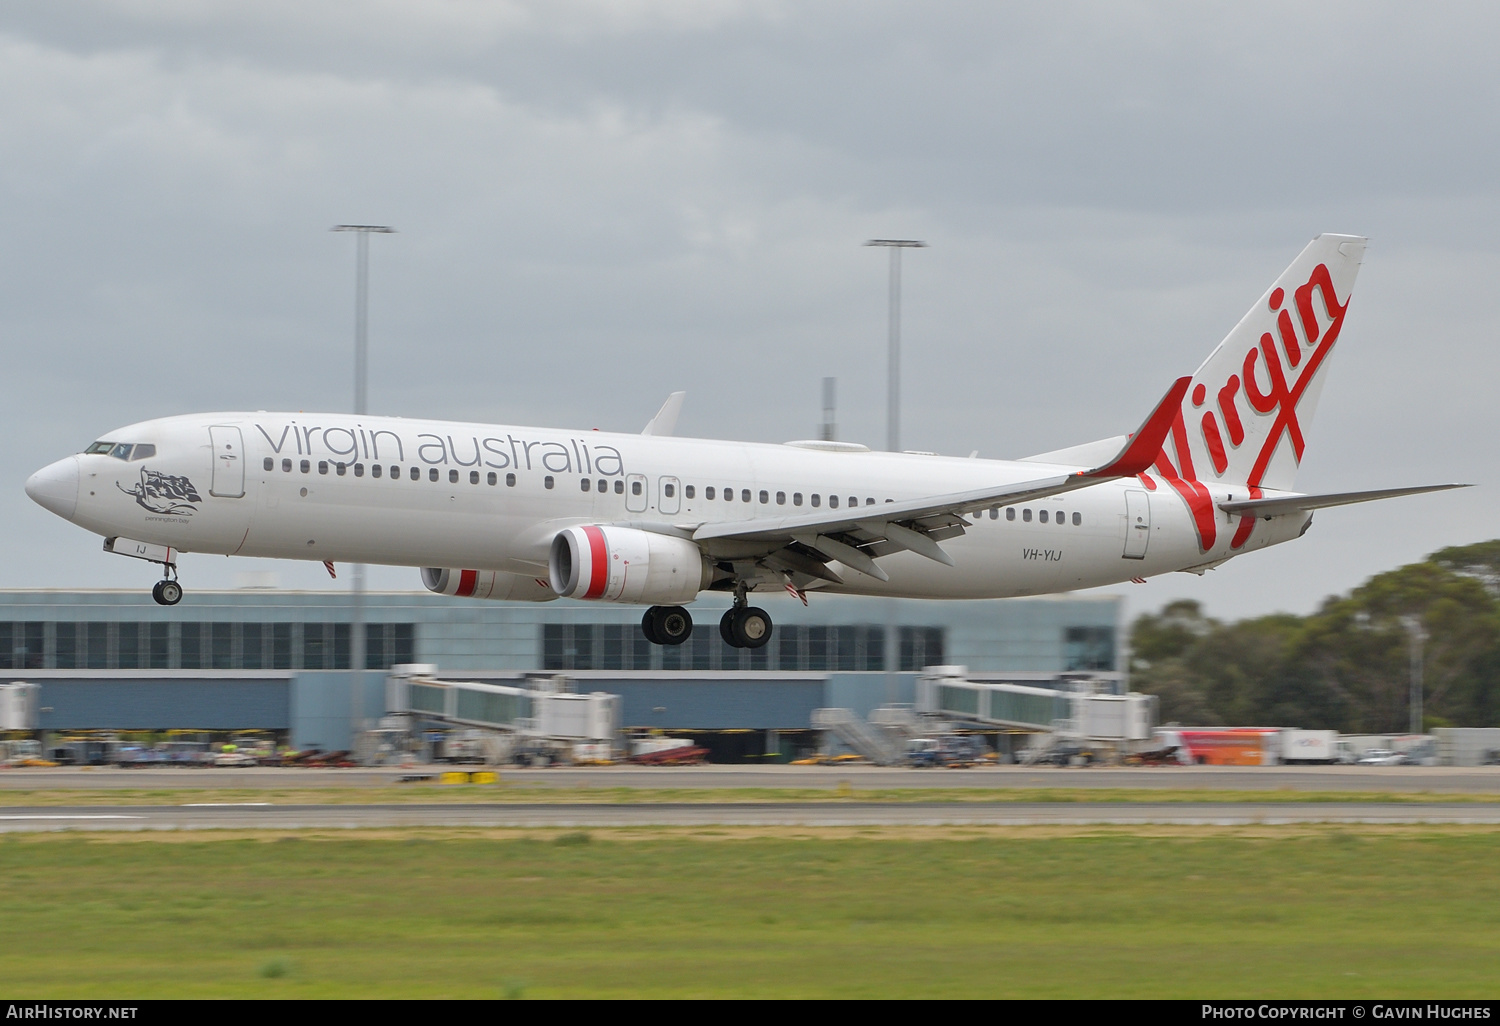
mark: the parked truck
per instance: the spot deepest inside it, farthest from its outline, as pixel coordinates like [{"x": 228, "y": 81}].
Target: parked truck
[{"x": 1308, "y": 747}]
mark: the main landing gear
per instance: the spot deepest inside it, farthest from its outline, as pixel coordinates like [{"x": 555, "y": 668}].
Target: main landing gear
[
  {"x": 667, "y": 625},
  {"x": 744, "y": 625}
]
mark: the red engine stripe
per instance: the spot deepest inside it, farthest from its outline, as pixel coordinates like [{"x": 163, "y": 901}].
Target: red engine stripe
[
  {"x": 599, "y": 562},
  {"x": 467, "y": 579}
]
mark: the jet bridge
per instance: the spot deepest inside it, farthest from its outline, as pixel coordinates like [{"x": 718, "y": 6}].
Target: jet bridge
[
  {"x": 548, "y": 712},
  {"x": 1082, "y": 713}
]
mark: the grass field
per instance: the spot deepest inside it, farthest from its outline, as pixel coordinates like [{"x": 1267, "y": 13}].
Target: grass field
[{"x": 1326, "y": 912}]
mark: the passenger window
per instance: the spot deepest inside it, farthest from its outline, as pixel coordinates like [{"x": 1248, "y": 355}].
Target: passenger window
[
  {"x": 1077, "y": 519},
  {"x": 619, "y": 487},
  {"x": 1026, "y": 515},
  {"x": 994, "y": 512},
  {"x": 453, "y": 477},
  {"x": 359, "y": 470},
  {"x": 669, "y": 490},
  {"x": 635, "y": 487},
  {"x": 395, "y": 473},
  {"x": 474, "y": 477},
  {"x": 816, "y": 500},
  {"x": 432, "y": 474},
  {"x": 416, "y": 473},
  {"x": 869, "y": 502},
  {"x": 1010, "y": 512},
  {"x": 688, "y": 490},
  {"x": 492, "y": 478},
  {"x": 1042, "y": 515},
  {"x": 340, "y": 469},
  {"x": 781, "y": 498},
  {"x": 603, "y": 485},
  {"x": 765, "y": 496},
  {"x": 306, "y": 467},
  {"x": 143, "y": 452},
  {"x": 286, "y": 466},
  {"x": 323, "y": 467},
  {"x": 375, "y": 470},
  {"x": 729, "y": 495},
  {"x": 796, "y": 498},
  {"x": 708, "y": 493},
  {"x": 270, "y": 463},
  {"x": 744, "y": 495},
  {"x": 510, "y": 480},
  {"x": 585, "y": 483},
  {"x": 547, "y": 481},
  {"x": 833, "y": 502},
  {"x": 853, "y": 501}
]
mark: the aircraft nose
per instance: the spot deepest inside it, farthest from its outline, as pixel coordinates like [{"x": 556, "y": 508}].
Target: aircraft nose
[{"x": 55, "y": 487}]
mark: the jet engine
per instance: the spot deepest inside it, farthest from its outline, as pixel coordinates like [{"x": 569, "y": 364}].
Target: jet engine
[
  {"x": 622, "y": 564},
  {"x": 486, "y": 584}
]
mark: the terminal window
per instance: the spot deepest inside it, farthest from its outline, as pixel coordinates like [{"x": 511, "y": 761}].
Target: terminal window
[
  {"x": 799, "y": 647},
  {"x": 1089, "y": 648},
  {"x": 189, "y": 645}
]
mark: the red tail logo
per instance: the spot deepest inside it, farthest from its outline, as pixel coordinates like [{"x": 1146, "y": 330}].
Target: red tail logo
[{"x": 1271, "y": 383}]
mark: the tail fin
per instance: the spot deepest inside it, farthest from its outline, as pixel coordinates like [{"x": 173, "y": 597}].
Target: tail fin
[{"x": 1245, "y": 415}]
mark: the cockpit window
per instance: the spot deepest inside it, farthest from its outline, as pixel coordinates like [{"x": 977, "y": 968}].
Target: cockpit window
[
  {"x": 143, "y": 451},
  {"x": 99, "y": 449},
  {"x": 121, "y": 451}
]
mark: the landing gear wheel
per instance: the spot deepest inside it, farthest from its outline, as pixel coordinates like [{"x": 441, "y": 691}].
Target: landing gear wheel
[
  {"x": 726, "y": 628},
  {"x": 167, "y": 593},
  {"x": 749, "y": 626},
  {"x": 672, "y": 625},
  {"x": 648, "y": 627}
]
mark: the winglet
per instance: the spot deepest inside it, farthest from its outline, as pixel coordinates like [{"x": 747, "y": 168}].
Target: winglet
[
  {"x": 1144, "y": 445},
  {"x": 665, "y": 421}
]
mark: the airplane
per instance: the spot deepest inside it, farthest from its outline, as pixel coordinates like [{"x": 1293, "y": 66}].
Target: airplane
[{"x": 533, "y": 514}]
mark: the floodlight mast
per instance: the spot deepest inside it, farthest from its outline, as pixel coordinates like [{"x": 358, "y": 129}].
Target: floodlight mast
[
  {"x": 357, "y": 657},
  {"x": 893, "y": 331}
]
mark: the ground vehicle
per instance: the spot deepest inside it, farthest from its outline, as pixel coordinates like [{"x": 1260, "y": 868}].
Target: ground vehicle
[{"x": 1383, "y": 757}]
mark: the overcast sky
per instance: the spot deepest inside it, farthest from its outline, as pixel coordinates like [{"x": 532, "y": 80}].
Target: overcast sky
[{"x": 602, "y": 202}]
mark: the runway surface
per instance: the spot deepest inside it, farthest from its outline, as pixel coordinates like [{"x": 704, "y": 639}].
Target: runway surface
[
  {"x": 196, "y": 816},
  {"x": 1480, "y": 779}
]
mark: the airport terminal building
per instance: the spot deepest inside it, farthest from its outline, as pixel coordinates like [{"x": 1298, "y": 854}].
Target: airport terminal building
[{"x": 281, "y": 661}]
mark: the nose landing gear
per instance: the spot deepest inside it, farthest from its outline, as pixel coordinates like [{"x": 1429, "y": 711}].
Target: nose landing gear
[{"x": 167, "y": 592}]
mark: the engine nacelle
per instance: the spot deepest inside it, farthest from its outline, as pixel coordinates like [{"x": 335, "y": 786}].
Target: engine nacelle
[
  {"x": 622, "y": 564},
  {"x": 486, "y": 584}
]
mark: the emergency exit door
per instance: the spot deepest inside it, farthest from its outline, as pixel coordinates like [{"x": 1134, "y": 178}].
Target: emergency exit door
[
  {"x": 229, "y": 462},
  {"x": 1137, "y": 524}
]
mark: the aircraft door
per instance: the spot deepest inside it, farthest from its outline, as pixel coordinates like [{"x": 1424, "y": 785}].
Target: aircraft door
[
  {"x": 229, "y": 462},
  {"x": 670, "y": 499},
  {"x": 1137, "y": 524},
  {"x": 635, "y": 493}
]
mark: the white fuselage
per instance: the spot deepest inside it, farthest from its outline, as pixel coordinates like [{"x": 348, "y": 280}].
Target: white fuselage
[{"x": 492, "y": 497}]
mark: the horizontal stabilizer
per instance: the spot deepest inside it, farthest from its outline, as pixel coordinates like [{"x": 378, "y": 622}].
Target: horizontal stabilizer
[{"x": 1282, "y": 505}]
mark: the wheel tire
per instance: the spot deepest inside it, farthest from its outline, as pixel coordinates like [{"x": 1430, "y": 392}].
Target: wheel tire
[
  {"x": 156, "y": 593},
  {"x": 171, "y": 593},
  {"x": 673, "y": 624},
  {"x": 648, "y": 626},
  {"x": 752, "y": 627},
  {"x": 726, "y": 629}
]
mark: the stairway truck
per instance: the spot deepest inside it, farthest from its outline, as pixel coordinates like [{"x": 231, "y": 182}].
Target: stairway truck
[{"x": 1309, "y": 747}]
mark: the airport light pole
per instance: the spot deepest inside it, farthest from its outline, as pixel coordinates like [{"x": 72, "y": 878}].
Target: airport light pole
[
  {"x": 1418, "y": 638},
  {"x": 893, "y": 424},
  {"x": 357, "y": 660},
  {"x": 893, "y": 343}
]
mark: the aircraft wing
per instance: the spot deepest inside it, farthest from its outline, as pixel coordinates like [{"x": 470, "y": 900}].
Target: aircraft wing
[
  {"x": 1281, "y": 505},
  {"x": 855, "y": 536}
]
